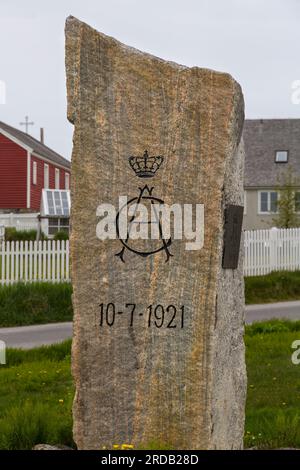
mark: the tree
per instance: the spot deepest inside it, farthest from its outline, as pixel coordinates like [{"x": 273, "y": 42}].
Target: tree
[{"x": 288, "y": 202}]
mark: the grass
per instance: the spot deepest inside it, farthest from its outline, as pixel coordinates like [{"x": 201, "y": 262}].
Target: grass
[
  {"x": 273, "y": 400},
  {"x": 36, "y": 303},
  {"x": 274, "y": 287},
  {"x": 36, "y": 392}
]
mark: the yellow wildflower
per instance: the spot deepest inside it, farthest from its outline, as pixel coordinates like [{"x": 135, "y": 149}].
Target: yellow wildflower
[{"x": 127, "y": 446}]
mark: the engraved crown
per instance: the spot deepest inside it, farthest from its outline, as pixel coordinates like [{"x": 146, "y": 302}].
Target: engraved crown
[{"x": 145, "y": 166}]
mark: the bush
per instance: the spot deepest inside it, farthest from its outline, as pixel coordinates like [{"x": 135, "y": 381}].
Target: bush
[
  {"x": 273, "y": 287},
  {"x": 61, "y": 235},
  {"x": 14, "y": 235},
  {"x": 36, "y": 303}
]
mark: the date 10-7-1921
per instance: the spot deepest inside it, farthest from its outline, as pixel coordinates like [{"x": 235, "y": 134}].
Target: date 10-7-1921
[{"x": 158, "y": 316}]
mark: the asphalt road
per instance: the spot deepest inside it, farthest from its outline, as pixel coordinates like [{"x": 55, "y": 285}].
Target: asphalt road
[
  {"x": 287, "y": 310},
  {"x": 27, "y": 337}
]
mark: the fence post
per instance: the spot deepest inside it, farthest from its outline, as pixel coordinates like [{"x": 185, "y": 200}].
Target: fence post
[{"x": 273, "y": 248}]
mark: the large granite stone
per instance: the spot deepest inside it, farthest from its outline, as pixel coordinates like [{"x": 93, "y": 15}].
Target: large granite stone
[{"x": 180, "y": 388}]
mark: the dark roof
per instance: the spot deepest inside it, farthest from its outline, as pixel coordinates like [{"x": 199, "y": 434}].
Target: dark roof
[
  {"x": 262, "y": 138},
  {"x": 35, "y": 145}
]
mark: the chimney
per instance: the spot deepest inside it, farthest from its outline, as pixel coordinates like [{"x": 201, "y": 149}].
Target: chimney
[{"x": 42, "y": 135}]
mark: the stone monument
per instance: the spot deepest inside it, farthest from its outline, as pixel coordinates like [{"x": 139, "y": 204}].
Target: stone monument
[{"x": 158, "y": 351}]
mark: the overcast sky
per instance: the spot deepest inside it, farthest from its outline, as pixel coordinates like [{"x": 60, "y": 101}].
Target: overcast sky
[{"x": 256, "y": 41}]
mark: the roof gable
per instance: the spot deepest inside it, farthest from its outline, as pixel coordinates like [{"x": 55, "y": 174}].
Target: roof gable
[
  {"x": 262, "y": 137},
  {"x": 34, "y": 145}
]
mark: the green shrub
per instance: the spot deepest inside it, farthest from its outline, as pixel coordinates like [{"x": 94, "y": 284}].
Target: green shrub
[
  {"x": 61, "y": 235},
  {"x": 14, "y": 235},
  {"x": 273, "y": 287},
  {"x": 36, "y": 303}
]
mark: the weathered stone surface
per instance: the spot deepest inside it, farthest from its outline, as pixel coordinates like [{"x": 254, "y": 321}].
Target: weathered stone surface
[
  {"x": 180, "y": 387},
  {"x": 51, "y": 447}
]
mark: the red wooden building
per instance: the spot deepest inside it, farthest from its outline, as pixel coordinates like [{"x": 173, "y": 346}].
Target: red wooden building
[{"x": 27, "y": 166}]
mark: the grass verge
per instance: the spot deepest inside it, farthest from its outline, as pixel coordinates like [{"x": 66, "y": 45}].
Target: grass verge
[
  {"x": 36, "y": 303},
  {"x": 274, "y": 287},
  {"x": 273, "y": 400},
  {"x": 36, "y": 392}
]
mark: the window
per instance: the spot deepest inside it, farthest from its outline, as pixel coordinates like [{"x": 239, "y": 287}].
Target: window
[
  {"x": 34, "y": 173},
  {"x": 281, "y": 156},
  {"x": 46, "y": 176},
  {"x": 297, "y": 201},
  {"x": 56, "y": 208},
  {"x": 58, "y": 224},
  {"x": 56, "y": 203},
  {"x": 267, "y": 202},
  {"x": 273, "y": 201},
  {"x": 67, "y": 181},
  {"x": 56, "y": 178}
]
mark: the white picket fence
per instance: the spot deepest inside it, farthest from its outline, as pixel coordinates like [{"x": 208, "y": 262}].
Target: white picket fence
[
  {"x": 28, "y": 261},
  {"x": 48, "y": 261},
  {"x": 271, "y": 250}
]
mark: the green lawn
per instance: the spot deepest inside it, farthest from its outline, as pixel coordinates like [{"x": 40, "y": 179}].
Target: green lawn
[
  {"x": 36, "y": 392},
  {"x": 273, "y": 403},
  {"x": 274, "y": 287},
  {"x": 36, "y": 303}
]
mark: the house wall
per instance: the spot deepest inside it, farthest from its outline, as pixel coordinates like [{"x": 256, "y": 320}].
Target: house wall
[
  {"x": 253, "y": 220},
  {"x": 36, "y": 189},
  {"x": 63, "y": 179},
  {"x": 13, "y": 175},
  {"x": 13, "y": 178}
]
